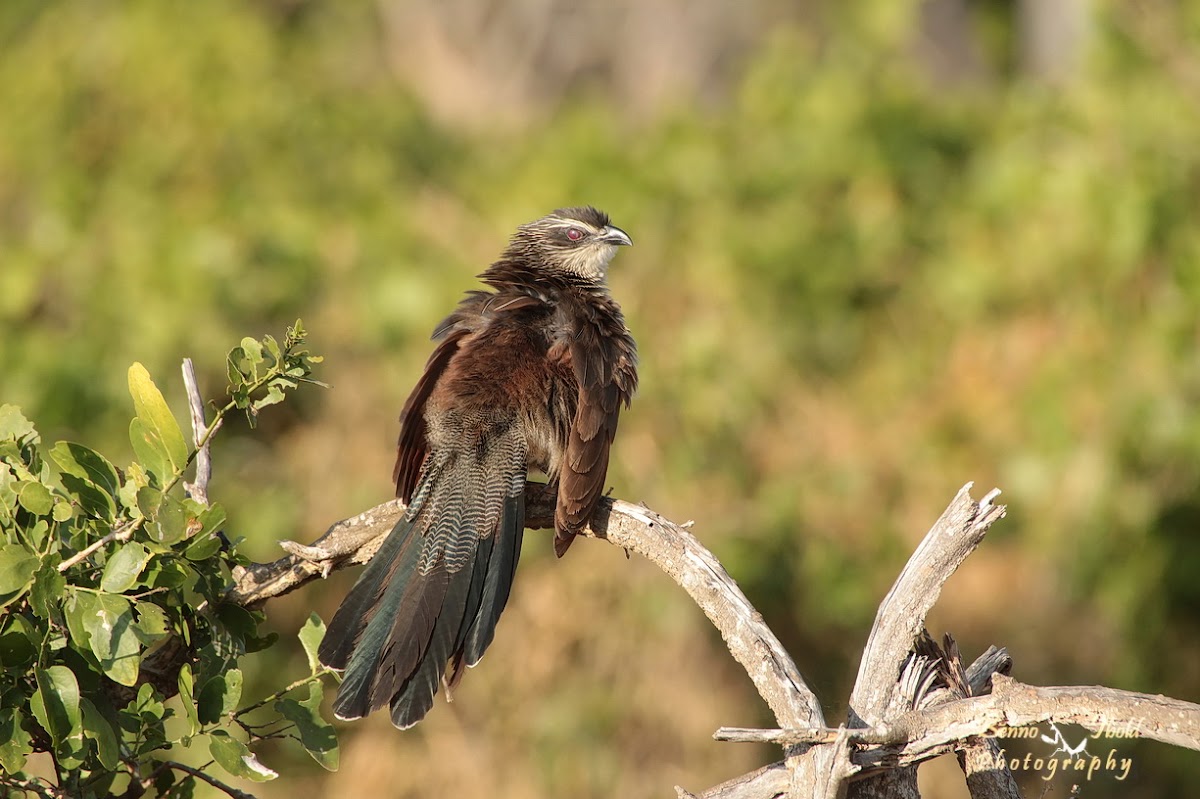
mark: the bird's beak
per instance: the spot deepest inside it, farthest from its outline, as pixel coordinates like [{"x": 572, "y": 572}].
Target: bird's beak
[{"x": 614, "y": 235}]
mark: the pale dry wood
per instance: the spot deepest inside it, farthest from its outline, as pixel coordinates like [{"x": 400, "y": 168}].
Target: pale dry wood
[
  {"x": 901, "y": 615},
  {"x": 346, "y": 543},
  {"x": 821, "y": 772},
  {"x": 920, "y": 734},
  {"x": 632, "y": 527},
  {"x": 819, "y": 761},
  {"x": 877, "y": 694},
  {"x": 987, "y": 773},
  {"x": 768, "y": 782},
  {"x": 199, "y": 489},
  {"x": 677, "y": 552}
]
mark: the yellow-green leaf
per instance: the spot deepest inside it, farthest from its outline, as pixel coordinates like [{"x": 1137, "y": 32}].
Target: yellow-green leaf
[
  {"x": 152, "y": 410},
  {"x": 17, "y": 567},
  {"x": 123, "y": 568},
  {"x": 236, "y": 758}
]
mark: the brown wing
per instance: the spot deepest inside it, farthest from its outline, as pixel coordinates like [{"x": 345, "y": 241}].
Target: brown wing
[
  {"x": 412, "y": 447},
  {"x": 604, "y": 368},
  {"x": 475, "y": 311}
]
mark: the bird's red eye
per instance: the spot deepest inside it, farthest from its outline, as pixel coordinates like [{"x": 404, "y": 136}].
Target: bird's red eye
[{"x": 574, "y": 234}]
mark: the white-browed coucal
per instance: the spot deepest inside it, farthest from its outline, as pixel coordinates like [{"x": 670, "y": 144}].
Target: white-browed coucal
[{"x": 530, "y": 375}]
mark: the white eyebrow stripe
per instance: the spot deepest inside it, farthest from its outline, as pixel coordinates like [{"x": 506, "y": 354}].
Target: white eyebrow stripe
[{"x": 562, "y": 224}]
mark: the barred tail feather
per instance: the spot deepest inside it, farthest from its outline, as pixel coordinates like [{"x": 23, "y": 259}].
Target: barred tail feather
[
  {"x": 500, "y": 569},
  {"x": 434, "y": 591},
  {"x": 348, "y": 622}
]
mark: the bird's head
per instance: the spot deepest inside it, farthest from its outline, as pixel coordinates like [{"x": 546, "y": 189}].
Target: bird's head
[{"x": 579, "y": 241}]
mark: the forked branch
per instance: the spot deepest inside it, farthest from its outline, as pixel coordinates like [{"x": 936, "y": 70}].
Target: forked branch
[{"x": 910, "y": 703}]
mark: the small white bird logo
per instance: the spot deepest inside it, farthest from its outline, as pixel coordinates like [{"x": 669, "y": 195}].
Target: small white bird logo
[{"x": 1061, "y": 745}]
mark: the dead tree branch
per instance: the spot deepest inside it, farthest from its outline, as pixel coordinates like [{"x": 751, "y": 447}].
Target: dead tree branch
[
  {"x": 912, "y": 701},
  {"x": 901, "y": 616},
  {"x": 900, "y": 620},
  {"x": 632, "y": 527},
  {"x": 199, "y": 489},
  {"x": 920, "y": 734}
]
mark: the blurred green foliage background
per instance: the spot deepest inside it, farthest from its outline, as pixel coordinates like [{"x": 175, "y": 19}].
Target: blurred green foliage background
[{"x": 882, "y": 249}]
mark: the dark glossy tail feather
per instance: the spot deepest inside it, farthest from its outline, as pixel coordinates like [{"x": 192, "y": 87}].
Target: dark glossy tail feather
[
  {"x": 347, "y": 624},
  {"x": 434, "y": 591},
  {"x": 501, "y": 569},
  {"x": 415, "y": 698},
  {"x": 356, "y": 633}
]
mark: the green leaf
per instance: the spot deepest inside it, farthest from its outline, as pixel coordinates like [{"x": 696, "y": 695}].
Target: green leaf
[
  {"x": 8, "y": 496},
  {"x": 310, "y": 637},
  {"x": 19, "y": 641},
  {"x": 49, "y": 585},
  {"x": 15, "y": 743},
  {"x": 156, "y": 417},
  {"x": 149, "y": 500},
  {"x": 317, "y": 736},
  {"x": 87, "y": 464},
  {"x": 219, "y": 696},
  {"x": 202, "y": 548},
  {"x": 150, "y": 450},
  {"x": 17, "y": 567},
  {"x": 147, "y": 705},
  {"x": 211, "y": 518},
  {"x": 165, "y": 785},
  {"x": 89, "y": 477},
  {"x": 143, "y": 718},
  {"x": 237, "y": 634},
  {"x": 233, "y": 367},
  {"x": 123, "y": 568},
  {"x": 253, "y": 351},
  {"x": 171, "y": 526},
  {"x": 187, "y": 697},
  {"x": 236, "y": 758},
  {"x": 166, "y": 573},
  {"x": 36, "y": 535},
  {"x": 79, "y": 608},
  {"x": 97, "y": 729},
  {"x": 274, "y": 397},
  {"x": 13, "y": 423},
  {"x": 57, "y": 705},
  {"x": 62, "y": 511},
  {"x": 135, "y": 480},
  {"x": 152, "y": 622},
  {"x": 272, "y": 347},
  {"x": 111, "y": 631},
  {"x": 35, "y": 498}
]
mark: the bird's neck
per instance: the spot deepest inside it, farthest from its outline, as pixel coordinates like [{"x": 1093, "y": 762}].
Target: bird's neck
[{"x": 519, "y": 275}]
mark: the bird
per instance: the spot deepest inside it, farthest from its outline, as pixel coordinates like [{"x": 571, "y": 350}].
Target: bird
[{"x": 529, "y": 374}]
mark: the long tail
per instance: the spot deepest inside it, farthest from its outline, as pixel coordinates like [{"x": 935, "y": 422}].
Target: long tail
[{"x": 435, "y": 589}]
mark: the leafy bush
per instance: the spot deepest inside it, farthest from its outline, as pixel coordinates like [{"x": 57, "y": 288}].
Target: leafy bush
[{"x": 112, "y": 584}]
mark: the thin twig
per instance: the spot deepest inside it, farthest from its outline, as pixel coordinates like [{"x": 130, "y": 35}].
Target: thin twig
[
  {"x": 122, "y": 532},
  {"x": 281, "y": 693},
  {"x": 36, "y": 786},
  {"x": 201, "y": 435},
  {"x": 228, "y": 790}
]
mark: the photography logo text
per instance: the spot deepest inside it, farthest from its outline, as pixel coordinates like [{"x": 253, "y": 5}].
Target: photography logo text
[{"x": 1067, "y": 758}]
